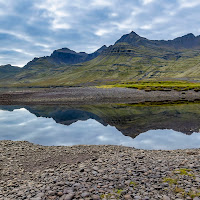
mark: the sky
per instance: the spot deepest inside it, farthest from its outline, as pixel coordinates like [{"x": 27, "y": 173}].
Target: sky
[{"x": 34, "y": 28}]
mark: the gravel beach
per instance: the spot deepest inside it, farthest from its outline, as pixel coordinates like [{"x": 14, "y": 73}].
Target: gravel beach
[
  {"x": 34, "y": 172},
  {"x": 83, "y": 95}
]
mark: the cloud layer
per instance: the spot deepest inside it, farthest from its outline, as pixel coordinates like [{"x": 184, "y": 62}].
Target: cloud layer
[{"x": 31, "y": 29}]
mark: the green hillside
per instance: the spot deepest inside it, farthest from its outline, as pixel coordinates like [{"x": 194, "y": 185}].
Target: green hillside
[{"x": 132, "y": 58}]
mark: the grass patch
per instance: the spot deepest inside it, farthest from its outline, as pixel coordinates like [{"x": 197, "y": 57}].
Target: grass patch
[
  {"x": 157, "y": 85},
  {"x": 177, "y": 180}
]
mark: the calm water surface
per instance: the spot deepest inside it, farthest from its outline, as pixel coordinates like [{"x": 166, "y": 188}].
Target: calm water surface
[{"x": 145, "y": 127}]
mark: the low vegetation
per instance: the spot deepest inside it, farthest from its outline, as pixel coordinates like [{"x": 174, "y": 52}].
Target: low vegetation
[
  {"x": 177, "y": 180},
  {"x": 158, "y": 85}
]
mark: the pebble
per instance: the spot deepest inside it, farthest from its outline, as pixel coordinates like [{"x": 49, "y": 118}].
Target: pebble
[
  {"x": 128, "y": 197},
  {"x": 85, "y": 194},
  {"x": 166, "y": 197},
  {"x": 67, "y": 197},
  {"x": 36, "y": 172}
]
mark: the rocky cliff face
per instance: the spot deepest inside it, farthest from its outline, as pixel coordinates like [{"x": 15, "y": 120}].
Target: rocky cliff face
[
  {"x": 64, "y": 56},
  {"x": 133, "y": 39},
  {"x": 188, "y": 41},
  {"x": 136, "y": 46},
  {"x": 68, "y": 56}
]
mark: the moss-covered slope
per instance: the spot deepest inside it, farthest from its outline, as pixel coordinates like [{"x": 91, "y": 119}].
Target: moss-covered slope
[{"x": 132, "y": 58}]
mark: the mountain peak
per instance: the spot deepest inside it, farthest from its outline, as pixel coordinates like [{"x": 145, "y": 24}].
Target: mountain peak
[
  {"x": 9, "y": 69},
  {"x": 101, "y": 49},
  {"x": 132, "y": 38},
  {"x": 8, "y": 66},
  {"x": 189, "y": 35},
  {"x": 133, "y": 33},
  {"x": 64, "y": 50}
]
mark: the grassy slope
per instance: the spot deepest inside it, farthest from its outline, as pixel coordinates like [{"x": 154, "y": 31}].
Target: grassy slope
[{"x": 144, "y": 64}]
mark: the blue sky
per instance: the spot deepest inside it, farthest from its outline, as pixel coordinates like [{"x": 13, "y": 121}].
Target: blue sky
[{"x": 35, "y": 28}]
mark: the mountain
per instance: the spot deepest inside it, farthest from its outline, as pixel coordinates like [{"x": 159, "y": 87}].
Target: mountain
[
  {"x": 133, "y": 39},
  {"x": 188, "y": 41},
  {"x": 63, "y": 56},
  {"x": 8, "y": 70},
  {"x": 131, "y": 58}
]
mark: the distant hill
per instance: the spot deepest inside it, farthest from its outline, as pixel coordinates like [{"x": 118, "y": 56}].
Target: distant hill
[
  {"x": 131, "y": 58},
  {"x": 8, "y": 70}
]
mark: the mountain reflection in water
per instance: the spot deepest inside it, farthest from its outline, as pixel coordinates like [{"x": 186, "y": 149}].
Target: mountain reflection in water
[{"x": 148, "y": 127}]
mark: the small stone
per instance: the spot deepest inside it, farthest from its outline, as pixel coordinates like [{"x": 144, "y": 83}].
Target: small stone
[
  {"x": 127, "y": 197},
  {"x": 95, "y": 197},
  {"x": 166, "y": 197},
  {"x": 67, "y": 196},
  {"x": 60, "y": 183},
  {"x": 20, "y": 193},
  {"x": 36, "y": 198},
  {"x": 59, "y": 194},
  {"x": 95, "y": 168},
  {"x": 85, "y": 194},
  {"x": 51, "y": 193},
  {"x": 77, "y": 185},
  {"x": 68, "y": 191},
  {"x": 137, "y": 197},
  {"x": 197, "y": 179},
  {"x": 40, "y": 194},
  {"x": 82, "y": 170}
]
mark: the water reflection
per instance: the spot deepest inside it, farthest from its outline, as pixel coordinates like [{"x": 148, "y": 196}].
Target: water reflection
[
  {"x": 149, "y": 127},
  {"x": 166, "y": 139},
  {"x": 22, "y": 125}
]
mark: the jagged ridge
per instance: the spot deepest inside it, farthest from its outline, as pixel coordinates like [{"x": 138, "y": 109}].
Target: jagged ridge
[{"x": 131, "y": 58}]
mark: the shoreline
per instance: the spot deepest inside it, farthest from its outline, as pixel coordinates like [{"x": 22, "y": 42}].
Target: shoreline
[
  {"x": 91, "y": 95},
  {"x": 36, "y": 172}
]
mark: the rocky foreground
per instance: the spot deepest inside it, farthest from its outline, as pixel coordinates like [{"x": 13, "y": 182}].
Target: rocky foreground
[
  {"x": 35, "y": 172},
  {"x": 85, "y": 95}
]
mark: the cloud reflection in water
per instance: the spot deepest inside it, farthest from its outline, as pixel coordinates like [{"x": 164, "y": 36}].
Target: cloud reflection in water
[{"x": 20, "y": 124}]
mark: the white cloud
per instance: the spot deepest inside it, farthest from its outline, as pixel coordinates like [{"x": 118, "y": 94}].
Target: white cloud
[
  {"x": 22, "y": 51},
  {"x": 58, "y": 25},
  {"x": 23, "y": 36},
  {"x": 16, "y": 34},
  {"x": 102, "y": 32},
  {"x": 102, "y": 3},
  {"x": 38, "y": 27},
  {"x": 188, "y": 4},
  {"x": 145, "y": 2},
  {"x": 113, "y": 14},
  {"x": 147, "y": 27}
]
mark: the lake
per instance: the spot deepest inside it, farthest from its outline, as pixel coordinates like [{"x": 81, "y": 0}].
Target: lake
[{"x": 145, "y": 127}]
